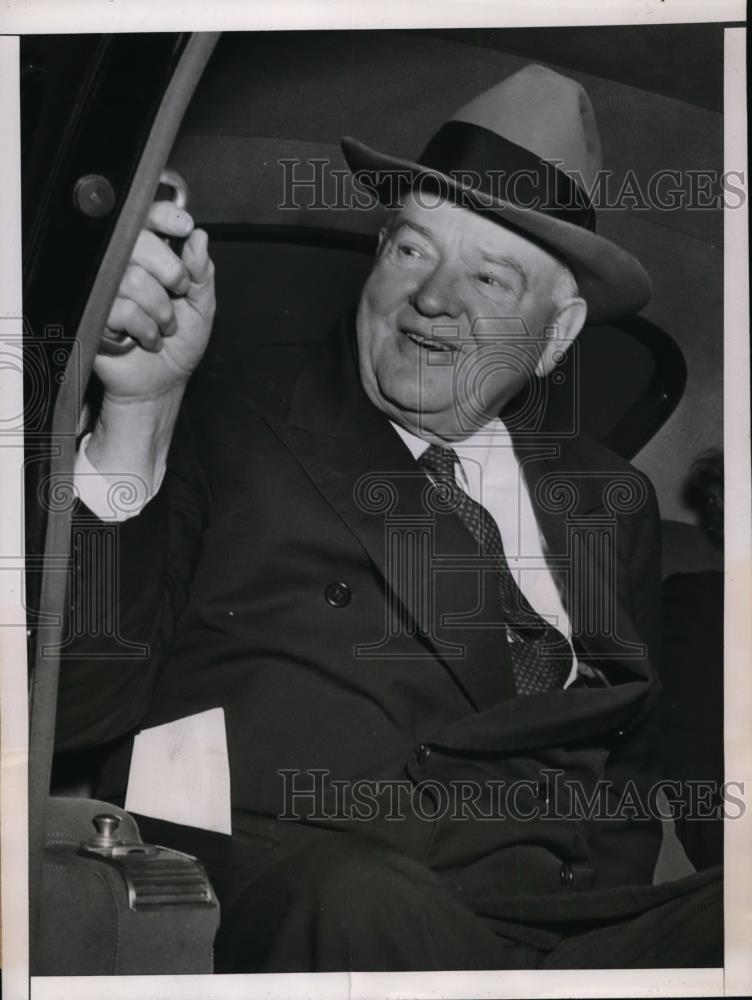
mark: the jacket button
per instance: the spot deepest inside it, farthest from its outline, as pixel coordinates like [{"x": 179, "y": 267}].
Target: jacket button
[
  {"x": 338, "y": 594},
  {"x": 566, "y": 874},
  {"x": 422, "y": 753}
]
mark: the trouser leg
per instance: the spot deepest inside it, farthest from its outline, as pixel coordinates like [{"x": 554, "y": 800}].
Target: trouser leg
[
  {"x": 684, "y": 932},
  {"x": 298, "y": 898},
  {"x": 312, "y": 900},
  {"x": 349, "y": 904}
]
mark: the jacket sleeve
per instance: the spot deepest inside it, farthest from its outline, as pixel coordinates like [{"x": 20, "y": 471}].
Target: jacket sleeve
[{"x": 129, "y": 583}]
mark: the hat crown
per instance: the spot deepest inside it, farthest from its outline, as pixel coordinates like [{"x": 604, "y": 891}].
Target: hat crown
[
  {"x": 493, "y": 157},
  {"x": 544, "y": 112}
]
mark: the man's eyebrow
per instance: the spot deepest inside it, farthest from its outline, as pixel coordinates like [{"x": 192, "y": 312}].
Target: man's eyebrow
[
  {"x": 507, "y": 262},
  {"x": 423, "y": 230}
]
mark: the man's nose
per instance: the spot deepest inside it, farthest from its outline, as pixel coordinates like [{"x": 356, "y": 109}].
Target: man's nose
[{"x": 437, "y": 295}]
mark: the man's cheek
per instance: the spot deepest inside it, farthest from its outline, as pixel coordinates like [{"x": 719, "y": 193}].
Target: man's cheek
[{"x": 387, "y": 290}]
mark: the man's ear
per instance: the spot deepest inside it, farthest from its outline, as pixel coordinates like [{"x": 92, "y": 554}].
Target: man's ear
[
  {"x": 560, "y": 332},
  {"x": 381, "y": 237}
]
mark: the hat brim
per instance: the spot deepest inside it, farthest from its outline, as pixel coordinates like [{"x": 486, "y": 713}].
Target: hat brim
[{"x": 612, "y": 282}]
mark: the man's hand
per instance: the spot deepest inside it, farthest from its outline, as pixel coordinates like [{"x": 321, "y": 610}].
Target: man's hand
[
  {"x": 144, "y": 387},
  {"x": 171, "y": 333}
]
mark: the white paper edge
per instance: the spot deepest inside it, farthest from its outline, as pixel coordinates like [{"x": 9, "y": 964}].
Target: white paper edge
[{"x": 94, "y": 15}]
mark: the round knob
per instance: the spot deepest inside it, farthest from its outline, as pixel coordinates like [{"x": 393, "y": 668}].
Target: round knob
[
  {"x": 106, "y": 825},
  {"x": 94, "y": 196}
]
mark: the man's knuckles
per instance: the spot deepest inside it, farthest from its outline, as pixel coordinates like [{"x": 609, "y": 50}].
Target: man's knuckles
[
  {"x": 145, "y": 291},
  {"x": 137, "y": 284},
  {"x": 155, "y": 257},
  {"x": 128, "y": 317},
  {"x": 172, "y": 273}
]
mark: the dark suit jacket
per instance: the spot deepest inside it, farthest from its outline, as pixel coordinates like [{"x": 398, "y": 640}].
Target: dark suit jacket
[{"x": 289, "y": 481}]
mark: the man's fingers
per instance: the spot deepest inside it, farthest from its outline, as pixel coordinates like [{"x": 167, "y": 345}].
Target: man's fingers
[
  {"x": 196, "y": 257},
  {"x": 146, "y": 292},
  {"x": 127, "y": 316},
  {"x": 154, "y": 256},
  {"x": 167, "y": 220}
]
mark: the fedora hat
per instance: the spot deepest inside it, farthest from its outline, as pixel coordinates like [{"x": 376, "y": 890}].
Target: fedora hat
[{"x": 524, "y": 153}]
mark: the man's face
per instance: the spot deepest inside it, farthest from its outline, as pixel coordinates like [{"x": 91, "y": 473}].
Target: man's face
[{"x": 450, "y": 321}]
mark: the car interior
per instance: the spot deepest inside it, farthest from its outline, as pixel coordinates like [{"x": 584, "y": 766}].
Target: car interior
[{"x": 245, "y": 118}]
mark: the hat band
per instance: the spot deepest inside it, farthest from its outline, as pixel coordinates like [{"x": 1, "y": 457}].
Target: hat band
[{"x": 482, "y": 162}]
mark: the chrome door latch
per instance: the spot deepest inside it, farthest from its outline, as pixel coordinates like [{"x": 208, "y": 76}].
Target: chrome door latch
[{"x": 155, "y": 877}]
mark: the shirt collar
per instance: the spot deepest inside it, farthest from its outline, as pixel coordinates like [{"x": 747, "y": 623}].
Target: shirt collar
[
  {"x": 473, "y": 451},
  {"x": 491, "y": 435}
]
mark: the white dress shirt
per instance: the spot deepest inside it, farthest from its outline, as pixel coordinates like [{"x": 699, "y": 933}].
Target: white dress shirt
[{"x": 112, "y": 498}]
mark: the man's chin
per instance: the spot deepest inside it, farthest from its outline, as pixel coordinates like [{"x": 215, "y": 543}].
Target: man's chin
[
  {"x": 431, "y": 425},
  {"x": 410, "y": 405}
]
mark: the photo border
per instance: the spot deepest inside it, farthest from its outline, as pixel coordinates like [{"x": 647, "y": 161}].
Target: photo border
[{"x": 93, "y": 16}]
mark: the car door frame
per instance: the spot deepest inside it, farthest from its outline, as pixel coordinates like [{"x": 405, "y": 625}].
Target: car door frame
[{"x": 160, "y": 134}]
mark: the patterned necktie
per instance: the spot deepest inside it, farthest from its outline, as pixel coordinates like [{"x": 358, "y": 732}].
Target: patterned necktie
[{"x": 541, "y": 656}]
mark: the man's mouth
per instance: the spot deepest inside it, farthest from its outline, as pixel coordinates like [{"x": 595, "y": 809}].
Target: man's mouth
[{"x": 428, "y": 343}]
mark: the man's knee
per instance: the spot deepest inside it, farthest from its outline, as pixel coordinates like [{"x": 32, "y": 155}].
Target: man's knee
[
  {"x": 349, "y": 903},
  {"x": 350, "y": 877},
  {"x": 340, "y": 903}
]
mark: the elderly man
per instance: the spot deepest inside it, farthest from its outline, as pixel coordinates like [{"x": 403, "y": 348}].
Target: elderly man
[{"x": 428, "y": 626}]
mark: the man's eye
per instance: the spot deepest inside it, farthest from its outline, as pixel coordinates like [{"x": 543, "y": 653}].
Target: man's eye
[
  {"x": 495, "y": 284},
  {"x": 408, "y": 250},
  {"x": 490, "y": 279}
]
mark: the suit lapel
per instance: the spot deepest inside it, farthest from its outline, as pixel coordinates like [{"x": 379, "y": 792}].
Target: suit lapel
[
  {"x": 581, "y": 531},
  {"x": 368, "y": 476}
]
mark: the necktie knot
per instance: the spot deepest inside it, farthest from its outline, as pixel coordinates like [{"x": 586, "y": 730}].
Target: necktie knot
[{"x": 439, "y": 461}]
